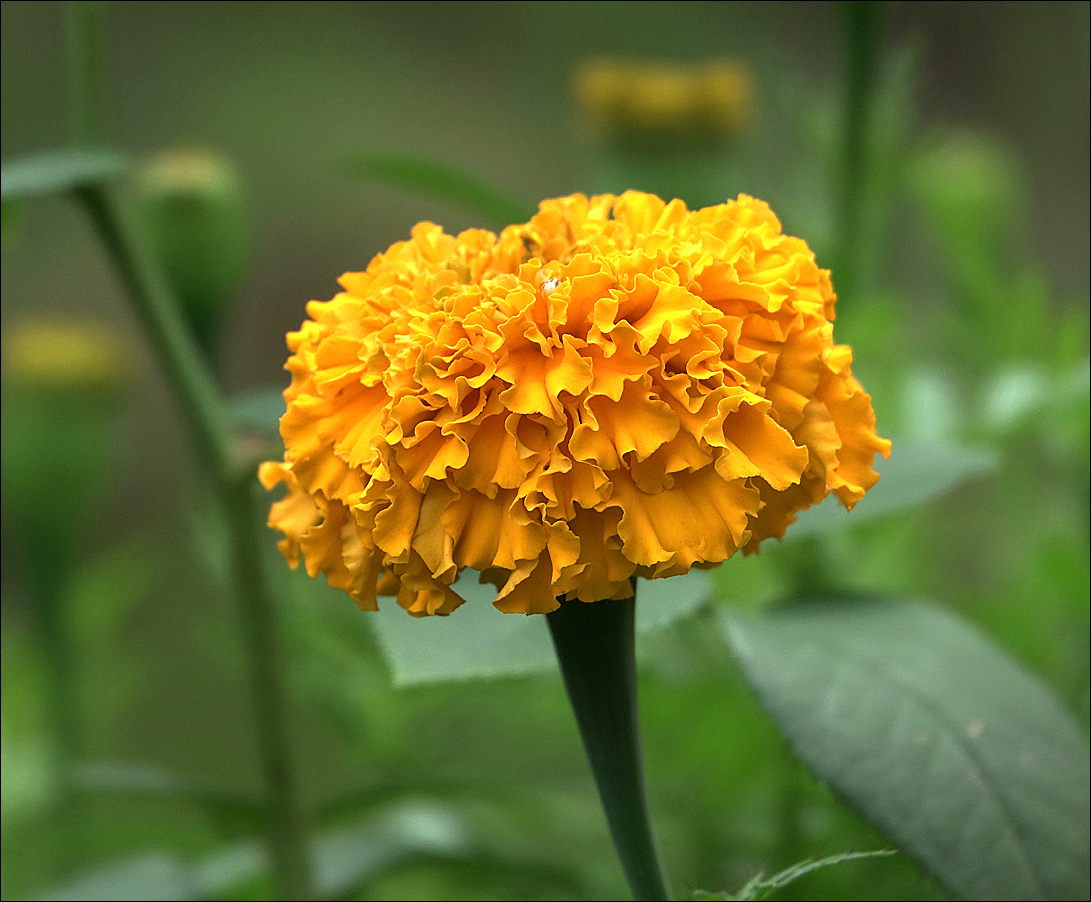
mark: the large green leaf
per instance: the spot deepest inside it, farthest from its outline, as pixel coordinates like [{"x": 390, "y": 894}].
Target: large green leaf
[
  {"x": 931, "y": 733},
  {"x": 479, "y": 641},
  {"x": 59, "y": 170},
  {"x": 439, "y": 180},
  {"x": 915, "y": 473}
]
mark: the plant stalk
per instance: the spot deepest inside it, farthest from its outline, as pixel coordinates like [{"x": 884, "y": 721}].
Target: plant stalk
[
  {"x": 175, "y": 347},
  {"x": 287, "y": 826},
  {"x": 86, "y": 46},
  {"x": 195, "y": 387},
  {"x": 596, "y": 648},
  {"x": 862, "y": 22},
  {"x": 204, "y": 408},
  {"x": 50, "y": 577}
]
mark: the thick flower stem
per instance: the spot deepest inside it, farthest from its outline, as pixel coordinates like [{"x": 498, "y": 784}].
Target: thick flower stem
[
  {"x": 596, "y": 647},
  {"x": 199, "y": 396}
]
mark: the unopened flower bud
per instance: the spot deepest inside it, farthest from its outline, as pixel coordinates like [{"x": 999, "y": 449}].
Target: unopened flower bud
[
  {"x": 667, "y": 128},
  {"x": 972, "y": 191},
  {"x": 63, "y": 384},
  {"x": 192, "y": 215}
]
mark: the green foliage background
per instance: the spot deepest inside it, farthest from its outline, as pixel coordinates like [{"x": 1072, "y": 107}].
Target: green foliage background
[{"x": 969, "y": 323}]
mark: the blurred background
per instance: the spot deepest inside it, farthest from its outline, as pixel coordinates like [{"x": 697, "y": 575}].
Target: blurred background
[{"x": 981, "y": 117}]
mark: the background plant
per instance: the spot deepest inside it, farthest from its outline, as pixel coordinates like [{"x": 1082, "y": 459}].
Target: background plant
[{"x": 967, "y": 344}]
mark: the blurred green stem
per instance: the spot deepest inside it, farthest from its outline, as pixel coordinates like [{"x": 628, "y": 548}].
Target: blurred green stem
[
  {"x": 862, "y": 22},
  {"x": 86, "y": 47},
  {"x": 48, "y": 572},
  {"x": 287, "y": 820},
  {"x": 204, "y": 407},
  {"x": 790, "y": 845},
  {"x": 48, "y": 568},
  {"x": 174, "y": 347},
  {"x": 596, "y": 648}
]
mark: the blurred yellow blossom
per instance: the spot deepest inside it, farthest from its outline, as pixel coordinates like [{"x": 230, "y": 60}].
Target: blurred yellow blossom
[
  {"x": 664, "y": 100},
  {"x": 65, "y": 354}
]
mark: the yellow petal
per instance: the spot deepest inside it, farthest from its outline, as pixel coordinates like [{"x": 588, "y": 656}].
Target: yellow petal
[{"x": 617, "y": 388}]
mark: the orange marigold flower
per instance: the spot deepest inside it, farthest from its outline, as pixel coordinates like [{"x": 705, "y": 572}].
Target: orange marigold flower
[{"x": 618, "y": 388}]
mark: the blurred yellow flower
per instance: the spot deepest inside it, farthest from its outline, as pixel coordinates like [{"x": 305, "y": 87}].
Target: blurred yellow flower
[
  {"x": 66, "y": 355},
  {"x": 618, "y": 388},
  {"x": 661, "y": 100}
]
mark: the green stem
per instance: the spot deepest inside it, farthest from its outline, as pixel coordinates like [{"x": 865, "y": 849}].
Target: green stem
[
  {"x": 86, "y": 69},
  {"x": 862, "y": 24},
  {"x": 790, "y": 809},
  {"x": 204, "y": 407},
  {"x": 49, "y": 579},
  {"x": 189, "y": 377},
  {"x": 49, "y": 572},
  {"x": 596, "y": 648},
  {"x": 287, "y": 821}
]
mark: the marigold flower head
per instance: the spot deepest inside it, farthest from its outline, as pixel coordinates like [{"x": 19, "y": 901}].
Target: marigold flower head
[{"x": 618, "y": 388}]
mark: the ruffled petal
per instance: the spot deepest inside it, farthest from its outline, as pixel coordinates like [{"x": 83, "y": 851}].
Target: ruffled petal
[{"x": 619, "y": 387}]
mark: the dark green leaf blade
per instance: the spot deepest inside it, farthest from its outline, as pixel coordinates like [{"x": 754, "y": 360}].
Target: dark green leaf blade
[
  {"x": 917, "y": 472},
  {"x": 478, "y": 641},
  {"x": 440, "y": 180},
  {"x": 58, "y": 170},
  {"x": 931, "y": 733}
]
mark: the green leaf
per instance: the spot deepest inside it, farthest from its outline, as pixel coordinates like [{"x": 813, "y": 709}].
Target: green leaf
[
  {"x": 931, "y": 733},
  {"x": 28, "y": 786},
  {"x": 136, "y": 780},
  {"x": 345, "y": 859},
  {"x": 916, "y": 472},
  {"x": 11, "y": 217},
  {"x": 154, "y": 876},
  {"x": 479, "y": 641},
  {"x": 162, "y": 875},
  {"x": 348, "y": 858},
  {"x": 1020, "y": 393},
  {"x": 259, "y": 410},
  {"x": 59, "y": 170},
  {"x": 440, "y": 180},
  {"x": 230, "y": 872},
  {"x": 761, "y": 886}
]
